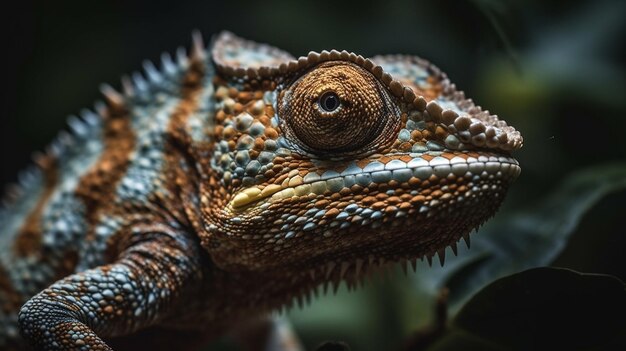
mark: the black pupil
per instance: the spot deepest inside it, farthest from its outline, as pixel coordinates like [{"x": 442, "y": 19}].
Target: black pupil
[{"x": 329, "y": 102}]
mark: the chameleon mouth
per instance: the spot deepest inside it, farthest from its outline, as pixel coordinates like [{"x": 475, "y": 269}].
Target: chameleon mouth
[{"x": 402, "y": 170}]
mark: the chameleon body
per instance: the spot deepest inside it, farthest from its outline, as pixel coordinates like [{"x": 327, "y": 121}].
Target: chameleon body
[{"x": 232, "y": 182}]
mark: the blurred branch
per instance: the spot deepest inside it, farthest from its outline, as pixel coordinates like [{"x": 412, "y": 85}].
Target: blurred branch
[{"x": 489, "y": 9}]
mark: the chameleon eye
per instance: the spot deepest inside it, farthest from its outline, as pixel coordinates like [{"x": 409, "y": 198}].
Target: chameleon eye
[
  {"x": 329, "y": 101},
  {"x": 337, "y": 107}
]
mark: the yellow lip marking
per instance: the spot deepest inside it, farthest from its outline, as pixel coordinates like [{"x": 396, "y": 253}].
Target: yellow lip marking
[
  {"x": 270, "y": 189},
  {"x": 251, "y": 195}
]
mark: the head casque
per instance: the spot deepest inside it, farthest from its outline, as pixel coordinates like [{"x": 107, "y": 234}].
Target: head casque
[{"x": 333, "y": 159}]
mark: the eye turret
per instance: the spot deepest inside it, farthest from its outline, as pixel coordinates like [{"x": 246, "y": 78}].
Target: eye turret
[{"x": 338, "y": 107}]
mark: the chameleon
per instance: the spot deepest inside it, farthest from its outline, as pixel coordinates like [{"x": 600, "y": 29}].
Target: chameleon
[{"x": 232, "y": 182}]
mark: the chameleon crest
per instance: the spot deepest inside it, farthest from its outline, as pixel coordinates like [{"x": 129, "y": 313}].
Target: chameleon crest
[{"x": 234, "y": 180}]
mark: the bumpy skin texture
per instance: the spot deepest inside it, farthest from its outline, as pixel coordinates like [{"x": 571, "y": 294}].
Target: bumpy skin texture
[{"x": 231, "y": 183}]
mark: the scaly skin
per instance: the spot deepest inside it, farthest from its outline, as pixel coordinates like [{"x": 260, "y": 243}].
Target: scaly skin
[{"x": 231, "y": 183}]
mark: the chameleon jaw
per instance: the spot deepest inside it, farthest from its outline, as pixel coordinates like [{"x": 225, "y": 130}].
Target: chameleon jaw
[{"x": 375, "y": 172}]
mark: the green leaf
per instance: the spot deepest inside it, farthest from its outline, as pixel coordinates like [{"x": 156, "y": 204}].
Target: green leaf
[
  {"x": 541, "y": 309},
  {"x": 524, "y": 240}
]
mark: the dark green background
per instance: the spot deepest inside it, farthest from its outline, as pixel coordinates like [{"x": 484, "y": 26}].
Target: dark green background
[{"x": 556, "y": 71}]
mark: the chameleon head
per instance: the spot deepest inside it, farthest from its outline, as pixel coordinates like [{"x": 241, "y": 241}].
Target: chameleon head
[{"x": 335, "y": 160}]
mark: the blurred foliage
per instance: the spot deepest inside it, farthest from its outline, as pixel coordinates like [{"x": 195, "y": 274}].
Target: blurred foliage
[
  {"x": 541, "y": 309},
  {"x": 554, "y": 70}
]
